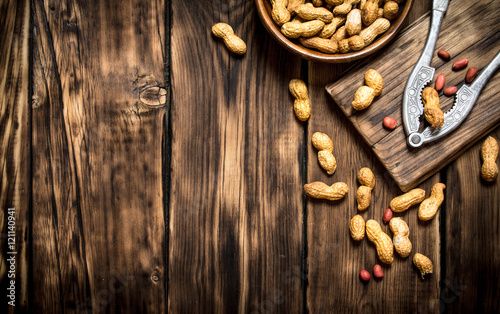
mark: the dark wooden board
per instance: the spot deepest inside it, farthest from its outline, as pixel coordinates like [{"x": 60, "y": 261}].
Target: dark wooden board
[
  {"x": 470, "y": 30},
  {"x": 99, "y": 233},
  {"x": 236, "y": 183},
  {"x": 15, "y": 151}
]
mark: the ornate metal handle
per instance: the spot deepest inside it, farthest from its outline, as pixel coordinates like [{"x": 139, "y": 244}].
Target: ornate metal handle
[{"x": 464, "y": 101}]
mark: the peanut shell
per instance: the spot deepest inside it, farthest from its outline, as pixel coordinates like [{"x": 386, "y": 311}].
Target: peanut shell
[
  {"x": 401, "y": 203},
  {"x": 357, "y": 228}
]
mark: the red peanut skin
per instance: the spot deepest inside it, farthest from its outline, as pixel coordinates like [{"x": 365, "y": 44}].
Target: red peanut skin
[
  {"x": 377, "y": 272},
  {"x": 450, "y": 91},
  {"x": 440, "y": 80},
  {"x": 460, "y": 64},
  {"x": 445, "y": 55},
  {"x": 364, "y": 275},
  {"x": 387, "y": 215},
  {"x": 390, "y": 123},
  {"x": 471, "y": 74}
]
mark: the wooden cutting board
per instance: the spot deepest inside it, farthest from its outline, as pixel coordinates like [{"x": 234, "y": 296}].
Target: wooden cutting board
[{"x": 470, "y": 29}]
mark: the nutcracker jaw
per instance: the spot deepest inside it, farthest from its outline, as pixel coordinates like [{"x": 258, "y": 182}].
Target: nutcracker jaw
[{"x": 465, "y": 99}]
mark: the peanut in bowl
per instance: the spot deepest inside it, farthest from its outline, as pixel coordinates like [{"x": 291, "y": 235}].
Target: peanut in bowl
[{"x": 316, "y": 42}]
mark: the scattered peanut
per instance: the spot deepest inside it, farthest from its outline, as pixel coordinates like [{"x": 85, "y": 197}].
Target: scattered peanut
[
  {"x": 320, "y": 190},
  {"x": 364, "y": 193},
  {"x": 357, "y": 228},
  {"x": 429, "y": 207},
  {"x": 280, "y": 13},
  {"x": 377, "y": 272},
  {"x": 301, "y": 105},
  {"x": 391, "y": 9},
  {"x": 471, "y": 75},
  {"x": 450, "y": 91},
  {"x": 489, "y": 154},
  {"x": 387, "y": 215},
  {"x": 232, "y": 42},
  {"x": 363, "y": 98},
  {"x": 366, "y": 177},
  {"x": 401, "y": 203},
  {"x": 445, "y": 55},
  {"x": 353, "y": 22},
  {"x": 365, "y": 94},
  {"x": 423, "y": 263},
  {"x": 390, "y": 123},
  {"x": 370, "y": 11},
  {"x": 296, "y": 28},
  {"x": 309, "y": 12},
  {"x": 374, "y": 80},
  {"x": 322, "y": 44},
  {"x": 440, "y": 81},
  {"x": 324, "y": 145},
  {"x": 364, "y": 275},
  {"x": 460, "y": 64},
  {"x": 402, "y": 243},
  {"x": 382, "y": 241},
  {"x": 432, "y": 113}
]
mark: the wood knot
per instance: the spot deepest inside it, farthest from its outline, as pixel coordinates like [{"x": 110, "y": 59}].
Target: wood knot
[
  {"x": 155, "y": 276},
  {"x": 35, "y": 103},
  {"x": 154, "y": 96}
]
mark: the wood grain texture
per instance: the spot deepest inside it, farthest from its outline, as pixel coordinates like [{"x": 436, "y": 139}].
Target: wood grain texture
[
  {"x": 469, "y": 31},
  {"x": 472, "y": 255},
  {"x": 236, "y": 194},
  {"x": 87, "y": 167},
  {"x": 15, "y": 128},
  {"x": 98, "y": 226},
  {"x": 334, "y": 259}
]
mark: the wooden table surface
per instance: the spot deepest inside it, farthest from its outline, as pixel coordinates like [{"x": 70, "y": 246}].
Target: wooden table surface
[{"x": 194, "y": 204}]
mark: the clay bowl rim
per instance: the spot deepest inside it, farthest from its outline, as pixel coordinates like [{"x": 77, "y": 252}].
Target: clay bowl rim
[{"x": 264, "y": 10}]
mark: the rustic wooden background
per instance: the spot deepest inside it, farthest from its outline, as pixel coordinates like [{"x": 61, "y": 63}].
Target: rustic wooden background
[{"x": 195, "y": 204}]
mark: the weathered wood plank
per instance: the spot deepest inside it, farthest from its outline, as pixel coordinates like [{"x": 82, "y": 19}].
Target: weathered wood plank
[
  {"x": 15, "y": 128},
  {"x": 472, "y": 255},
  {"x": 469, "y": 31},
  {"x": 236, "y": 183},
  {"x": 98, "y": 222}
]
